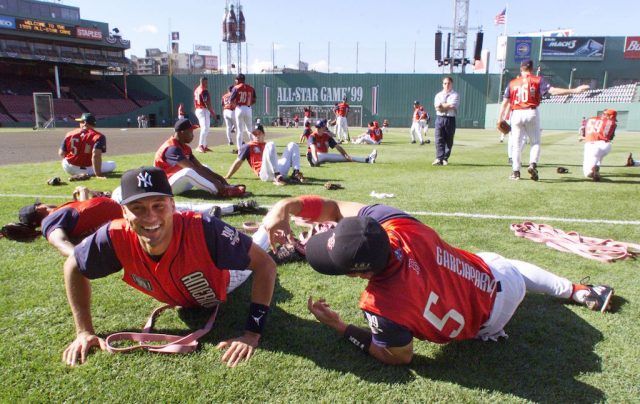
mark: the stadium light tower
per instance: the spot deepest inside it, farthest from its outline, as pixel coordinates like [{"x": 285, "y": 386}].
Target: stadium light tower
[
  {"x": 233, "y": 33},
  {"x": 460, "y": 29}
]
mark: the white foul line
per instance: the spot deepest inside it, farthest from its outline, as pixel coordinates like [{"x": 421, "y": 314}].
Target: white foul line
[
  {"x": 442, "y": 214},
  {"x": 526, "y": 218}
]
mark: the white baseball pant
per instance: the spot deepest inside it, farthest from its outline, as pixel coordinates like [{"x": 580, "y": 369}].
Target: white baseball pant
[
  {"x": 416, "y": 132},
  {"x": 525, "y": 123},
  {"x": 244, "y": 122},
  {"x": 594, "y": 152},
  {"x": 107, "y": 167},
  {"x": 342, "y": 129},
  {"x": 229, "y": 120},
  {"x": 188, "y": 178},
  {"x": 272, "y": 164},
  {"x": 204, "y": 120}
]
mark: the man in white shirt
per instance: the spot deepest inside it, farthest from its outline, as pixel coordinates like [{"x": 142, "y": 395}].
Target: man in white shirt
[{"x": 446, "y": 104}]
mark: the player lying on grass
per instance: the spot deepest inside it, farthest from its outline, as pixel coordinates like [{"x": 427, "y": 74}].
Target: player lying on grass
[
  {"x": 263, "y": 160},
  {"x": 179, "y": 258},
  {"x": 185, "y": 171},
  {"x": 419, "y": 286},
  {"x": 321, "y": 140}
]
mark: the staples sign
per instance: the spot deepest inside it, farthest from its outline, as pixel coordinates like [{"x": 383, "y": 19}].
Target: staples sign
[
  {"x": 632, "y": 47},
  {"x": 89, "y": 33}
]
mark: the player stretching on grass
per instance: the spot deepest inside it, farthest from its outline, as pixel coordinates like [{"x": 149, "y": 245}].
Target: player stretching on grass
[{"x": 419, "y": 286}]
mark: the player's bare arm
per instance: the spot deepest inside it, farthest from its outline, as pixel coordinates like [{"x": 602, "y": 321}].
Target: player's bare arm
[
  {"x": 264, "y": 277},
  {"x": 565, "y": 91},
  {"x": 343, "y": 152},
  {"x": 61, "y": 153},
  {"x": 59, "y": 239},
  {"x": 322, "y": 311},
  {"x": 96, "y": 161},
  {"x": 504, "y": 109},
  {"x": 235, "y": 166},
  {"x": 78, "y": 290}
]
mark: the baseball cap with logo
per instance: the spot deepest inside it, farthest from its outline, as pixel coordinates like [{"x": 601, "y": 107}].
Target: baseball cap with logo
[
  {"x": 184, "y": 124},
  {"x": 144, "y": 182},
  {"x": 28, "y": 215},
  {"x": 612, "y": 113},
  {"x": 88, "y": 118},
  {"x": 355, "y": 245}
]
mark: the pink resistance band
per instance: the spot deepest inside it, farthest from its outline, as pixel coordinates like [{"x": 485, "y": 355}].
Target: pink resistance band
[
  {"x": 587, "y": 247},
  {"x": 173, "y": 343}
]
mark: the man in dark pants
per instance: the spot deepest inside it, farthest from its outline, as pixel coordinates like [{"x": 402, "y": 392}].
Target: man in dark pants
[{"x": 446, "y": 104}]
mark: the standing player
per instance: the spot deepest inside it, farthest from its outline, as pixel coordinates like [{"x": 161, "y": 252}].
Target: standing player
[
  {"x": 229, "y": 115},
  {"x": 385, "y": 126},
  {"x": 522, "y": 98},
  {"x": 184, "y": 170},
  {"x": 342, "y": 128},
  {"x": 82, "y": 148},
  {"x": 581, "y": 130},
  {"x": 263, "y": 160},
  {"x": 418, "y": 285},
  {"x": 446, "y": 103},
  {"x": 307, "y": 116},
  {"x": 179, "y": 258},
  {"x": 599, "y": 132},
  {"x": 181, "y": 113},
  {"x": 243, "y": 96},
  {"x": 306, "y": 133},
  {"x": 204, "y": 112},
  {"x": 321, "y": 140},
  {"x": 418, "y": 119}
]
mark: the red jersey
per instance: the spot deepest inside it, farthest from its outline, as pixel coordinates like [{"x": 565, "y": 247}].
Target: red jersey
[
  {"x": 342, "y": 109},
  {"x": 321, "y": 140},
  {"x": 79, "y": 219},
  {"x": 438, "y": 292},
  {"x": 418, "y": 113},
  {"x": 243, "y": 95},
  {"x": 161, "y": 161},
  {"x": 524, "y": 92},
  {"x": 79, "y": 145},
  {"x": 375, "y": 134},
  {"x": 185, "y": 275},
  {"x": 201, "y": 98},
  {"x": 254, "y": 158},
  {"x": 227, "y": 103},
  {"x": 599, "y": 128}
]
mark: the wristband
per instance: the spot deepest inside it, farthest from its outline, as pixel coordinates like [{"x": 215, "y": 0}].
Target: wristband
[
  {"x": 257, "y": 318},
  {"x": 359, "y": 337},
  {"x": 311, "y": 207}
]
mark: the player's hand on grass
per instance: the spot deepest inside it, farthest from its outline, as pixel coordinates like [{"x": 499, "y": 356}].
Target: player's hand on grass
[
  {"x": 239, "y": 349},
  {"x": 80, "y": 347},
  {"x": 323, "y": 313},
  {"x": 276, "y": 223}
]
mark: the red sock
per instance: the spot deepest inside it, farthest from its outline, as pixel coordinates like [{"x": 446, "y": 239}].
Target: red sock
[{"x": 576, "y": 287}]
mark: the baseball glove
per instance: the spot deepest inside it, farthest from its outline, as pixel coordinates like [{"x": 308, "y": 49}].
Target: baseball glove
[
  {"x": 54, "y": 181},
  {"x": 331, "y": 186},
  {"x": 562, "y": 170},
  {"x": 504, "y": 127},
  {"x": 79, "y": 177},
  {"x": 19, "y": 232}
]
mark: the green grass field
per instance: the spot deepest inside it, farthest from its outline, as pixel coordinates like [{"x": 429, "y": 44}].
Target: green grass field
[{"x": 556, "y": 352}]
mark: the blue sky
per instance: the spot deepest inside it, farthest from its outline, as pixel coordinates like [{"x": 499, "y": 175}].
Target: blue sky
[{"x": 282, "y": 25}]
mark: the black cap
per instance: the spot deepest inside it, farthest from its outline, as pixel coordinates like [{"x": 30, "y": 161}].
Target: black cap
[
  {"x": 528, "y": 63},
  {"x": 28, "y": 215},
  {"x": 355, "y": 245},
  {"x": 260, "y": 128},
  {"x": 144, "y": 182},
  {"x": 416, "y": 102},
  {"x": 88, "y": 118},
  {"x": 320, "y": 123},
  {"x": 184, "y": 124},
  {"x": 240, "y": 77}
]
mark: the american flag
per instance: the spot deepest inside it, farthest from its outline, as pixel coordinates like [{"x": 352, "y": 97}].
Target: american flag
[{"x": 501, "y": 18}]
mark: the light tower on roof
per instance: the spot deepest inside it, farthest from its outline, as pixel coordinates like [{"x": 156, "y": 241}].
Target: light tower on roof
[{"x": 233, "y": 33}]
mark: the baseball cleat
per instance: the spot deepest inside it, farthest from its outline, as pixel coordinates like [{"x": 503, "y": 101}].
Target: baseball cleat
[
  {"x": 373, "y": 156},
  {"x": 515, "y": 175},
  {"x": 598, "y": 297},
  {"x": 297, "y": 177},
  {"x": 445, "y": 162},
  {"x": 215, "y": 211},
  {"x": 436, "y": 162},
  {"x": 413, "y": 142},
  {"x": 279, "y": 180},
  {"x": 249, "y": 207},
  {"x": 595, "y": 174},
  {"x": 533, "y": 172}
]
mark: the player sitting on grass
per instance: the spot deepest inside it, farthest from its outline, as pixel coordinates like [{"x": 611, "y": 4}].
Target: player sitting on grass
[
  {"x": 179, "y": 258},
  {"x": 82, "y": 148},
  {"x": 185, "y": 171},
  {"x": 321, "y": 140},
  {"x": 418, "y": 285},
  {"x": 263, "y": 160},
  {"x": 373, "y": 135}
]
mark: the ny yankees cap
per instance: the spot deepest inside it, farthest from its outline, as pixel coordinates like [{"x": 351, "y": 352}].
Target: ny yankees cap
[
  {"x": 240, "y": 77},
  {"x": 355, "y": 245},
  {"x": 184, "y": 124},
  {"x": 144, "y": 182},
  {"x": 88, "y": 118}
]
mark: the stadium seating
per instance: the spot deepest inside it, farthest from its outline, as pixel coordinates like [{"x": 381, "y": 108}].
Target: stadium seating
[{"x": 622, "y": 93}]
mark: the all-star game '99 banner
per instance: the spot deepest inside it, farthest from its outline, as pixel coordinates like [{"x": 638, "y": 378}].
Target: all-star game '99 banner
[{"x": 572, "y": 48}]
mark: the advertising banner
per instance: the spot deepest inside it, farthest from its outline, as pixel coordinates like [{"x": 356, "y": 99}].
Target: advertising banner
[
  {"x": 211, "y": 62},
  {"x": 572, "y": 48},
  {"x": 522, "y": 49},
  {"x": 632, "y": 47},
  {"x": 7, "y": 22},
  {"x": 203, "y": 48},
  {"x": 89, "y": 33}
]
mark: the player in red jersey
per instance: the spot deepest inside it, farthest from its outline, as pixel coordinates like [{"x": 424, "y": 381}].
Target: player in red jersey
[
  {"x": 66, "y": 225},
  {"x": 417, "y": 124},
  {"x": 181, "y": 113},
  {"x": 342, "y": 128},
  {"x": 263, "y": 160},
  {"x": 204, "y": 112},
  {"x": 229, "y": 115},
  {"x": 598, "y": 134},
  {"x": 418, "y": 285},
  {"x": 373, "y": 135},
  {"x": 321, "y": 140},
  {"x": 82, "y": 148},
  {"x": 243, "y": 96},
  {"x": 522, "y": 98},
  {"x": 307, "y": 116},
  {"x": 306, "y": 133},
  {"x": 179, "y": 258},
  {"x": 184, "y": 170}
]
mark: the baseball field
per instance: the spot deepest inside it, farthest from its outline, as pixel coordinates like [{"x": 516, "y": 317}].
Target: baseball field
[{"x": 555, "y": 352}]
